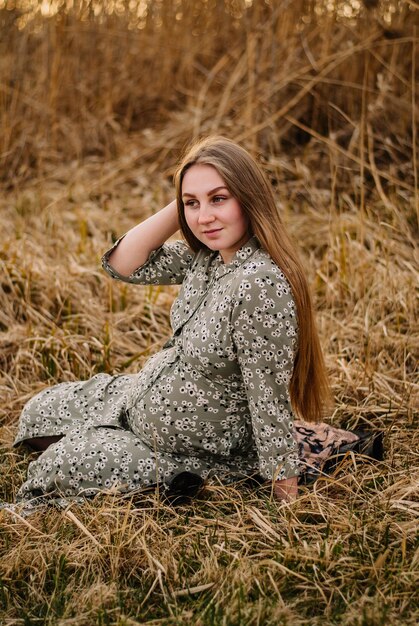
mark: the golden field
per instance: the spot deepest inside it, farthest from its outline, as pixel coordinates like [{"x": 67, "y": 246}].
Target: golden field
[{"x": 97, "y": 101}]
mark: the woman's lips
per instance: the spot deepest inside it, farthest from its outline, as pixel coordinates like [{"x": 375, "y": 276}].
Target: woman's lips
[{"x": 213, "y": 232}]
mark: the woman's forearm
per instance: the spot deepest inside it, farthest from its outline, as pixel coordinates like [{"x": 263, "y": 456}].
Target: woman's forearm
[
  {"x": 135, "y": 248},
  {"x": 286, "y": 489}
]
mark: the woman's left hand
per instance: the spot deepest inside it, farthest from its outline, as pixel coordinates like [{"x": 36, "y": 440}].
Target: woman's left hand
[{"x": 286, "y": 489}]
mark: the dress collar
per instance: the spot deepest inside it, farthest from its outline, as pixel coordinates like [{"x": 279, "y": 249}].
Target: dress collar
[{"x": 242, "y": 254}]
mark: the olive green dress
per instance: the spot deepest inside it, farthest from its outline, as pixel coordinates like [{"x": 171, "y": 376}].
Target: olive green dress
[{"x": 215, "y": 399}]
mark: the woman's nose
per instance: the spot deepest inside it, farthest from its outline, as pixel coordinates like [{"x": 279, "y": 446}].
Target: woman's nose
[{"x": 205, "y": 215}]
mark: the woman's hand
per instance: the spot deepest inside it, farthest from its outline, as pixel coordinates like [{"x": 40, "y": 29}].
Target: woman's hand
[
  {"x": 135, "y": 248},
  {"x": 286, "y": 489}
]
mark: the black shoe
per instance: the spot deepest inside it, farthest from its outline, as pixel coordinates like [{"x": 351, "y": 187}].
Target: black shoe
[{"x": 183, "y": 487}]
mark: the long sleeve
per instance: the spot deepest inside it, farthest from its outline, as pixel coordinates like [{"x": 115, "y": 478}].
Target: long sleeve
[
  {"x": 166, "y": 265},
  {"x": 264, "y": 332}
]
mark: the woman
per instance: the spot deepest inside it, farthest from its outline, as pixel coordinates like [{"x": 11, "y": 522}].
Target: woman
[{"x": 220, "y": 397}]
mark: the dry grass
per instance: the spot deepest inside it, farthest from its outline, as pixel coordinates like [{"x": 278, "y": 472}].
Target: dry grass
[{"x": 94, "y": 112}]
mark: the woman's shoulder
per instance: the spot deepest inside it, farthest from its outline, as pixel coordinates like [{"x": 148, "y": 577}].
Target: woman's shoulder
[
  {"x": 261, "y": 285},
  {"x": 261, "y": 268}
]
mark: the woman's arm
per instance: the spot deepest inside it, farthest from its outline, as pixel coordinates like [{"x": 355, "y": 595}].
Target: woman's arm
[
  {"x": 135, "y": 248},
  {"x": 264, "y": 333}
]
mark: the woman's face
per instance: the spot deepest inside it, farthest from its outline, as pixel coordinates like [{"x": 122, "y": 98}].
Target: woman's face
[{"x": 211, "y": 212}]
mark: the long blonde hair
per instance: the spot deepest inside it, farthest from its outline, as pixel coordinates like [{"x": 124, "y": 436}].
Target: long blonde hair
[{"x": 309, "y": 386}]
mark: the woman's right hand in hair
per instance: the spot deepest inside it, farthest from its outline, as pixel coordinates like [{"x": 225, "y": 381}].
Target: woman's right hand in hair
[{"x": 135, "y": 248}]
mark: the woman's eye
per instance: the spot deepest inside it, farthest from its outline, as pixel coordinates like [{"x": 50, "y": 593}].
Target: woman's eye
[
  {"x": 190, "y": 203},
  {"x": 218, "y": 199}
]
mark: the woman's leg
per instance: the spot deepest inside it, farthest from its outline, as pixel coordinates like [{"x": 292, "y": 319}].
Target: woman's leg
[
  {"x": 57, "y": 410},
  {"x": 92, "y": 459}
]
